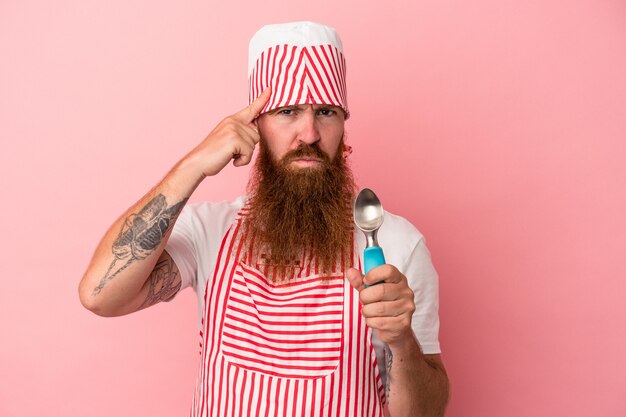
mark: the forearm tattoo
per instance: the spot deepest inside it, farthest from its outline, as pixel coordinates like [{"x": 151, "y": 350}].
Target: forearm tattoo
[
  {"x": 164, "y": 282},
  {"x": 388, "y": 362},
  {"x": 141, "y": 234}
]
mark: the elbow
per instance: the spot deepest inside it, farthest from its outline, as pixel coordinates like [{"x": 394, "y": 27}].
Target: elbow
[
  {"x": 96, "y": 308},
  {"x": 90, "y": 303},
  {"x": 90, "y": 300}
]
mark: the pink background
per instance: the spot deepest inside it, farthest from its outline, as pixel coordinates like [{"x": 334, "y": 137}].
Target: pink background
[{"x": 497, "y": 127}]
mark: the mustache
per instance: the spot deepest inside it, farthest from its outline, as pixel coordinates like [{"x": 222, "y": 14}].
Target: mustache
[{"x": 304, "y": 151}]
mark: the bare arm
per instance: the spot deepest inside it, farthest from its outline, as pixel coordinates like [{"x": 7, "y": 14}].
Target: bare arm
[
  {"x": 129, "y": 269},
  {"x": 417, "y": 384},
  {"x": 130, "y": 257}
]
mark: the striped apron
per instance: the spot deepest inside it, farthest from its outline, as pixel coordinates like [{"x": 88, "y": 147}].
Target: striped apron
[{"x": 275, "y": 349}]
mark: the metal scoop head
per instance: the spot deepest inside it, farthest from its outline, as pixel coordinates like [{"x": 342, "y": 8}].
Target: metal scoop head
[{"x": 368, "y": 215}]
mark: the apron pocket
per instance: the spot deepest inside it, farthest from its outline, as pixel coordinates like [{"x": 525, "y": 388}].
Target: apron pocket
[{"x": 291, "y": 330}]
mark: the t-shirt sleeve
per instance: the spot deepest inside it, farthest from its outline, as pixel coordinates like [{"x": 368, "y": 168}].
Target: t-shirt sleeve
[
  {"x": 181, "y": 247},
  {"x": 424, "y": 282}
]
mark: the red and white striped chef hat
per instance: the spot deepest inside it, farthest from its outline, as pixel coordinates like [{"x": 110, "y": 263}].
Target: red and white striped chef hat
[{"x": 303, "y": 62}]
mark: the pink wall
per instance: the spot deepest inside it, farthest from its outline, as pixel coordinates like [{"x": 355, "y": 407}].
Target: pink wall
[{"x": 497, "y": 127}]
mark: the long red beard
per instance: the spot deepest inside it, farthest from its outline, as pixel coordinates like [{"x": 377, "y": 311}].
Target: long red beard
[{"x": 298, "y": 211}]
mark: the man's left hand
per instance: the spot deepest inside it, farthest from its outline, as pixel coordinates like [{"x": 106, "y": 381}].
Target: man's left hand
[{"x": 387, "y": 306}]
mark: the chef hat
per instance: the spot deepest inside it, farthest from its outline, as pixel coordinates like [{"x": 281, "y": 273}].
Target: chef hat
[{"x": 303, "y": 62}]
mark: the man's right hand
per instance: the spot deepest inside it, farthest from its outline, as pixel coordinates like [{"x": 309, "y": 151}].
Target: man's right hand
[{"x": 234, "y": 138}]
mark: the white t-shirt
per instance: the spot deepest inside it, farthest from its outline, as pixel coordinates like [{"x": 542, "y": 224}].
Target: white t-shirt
[{"x": 195, "y": 242}]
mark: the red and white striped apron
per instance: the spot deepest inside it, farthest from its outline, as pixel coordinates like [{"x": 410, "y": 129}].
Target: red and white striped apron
[{"x": 295, "y": 349}]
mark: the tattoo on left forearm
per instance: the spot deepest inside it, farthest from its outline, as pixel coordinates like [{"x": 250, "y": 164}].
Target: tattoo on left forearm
[
  {"x": 388, "y": 362},
  {"x": 141, "y": 234}
]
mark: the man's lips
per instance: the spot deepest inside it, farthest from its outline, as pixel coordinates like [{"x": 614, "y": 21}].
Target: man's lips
[
  {"x": 306, "y": 157},
  {"x": 306, "y": 161}
]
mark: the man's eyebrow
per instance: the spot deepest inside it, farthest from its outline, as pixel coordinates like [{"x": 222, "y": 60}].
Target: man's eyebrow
[{"x": 292, "y": 107}]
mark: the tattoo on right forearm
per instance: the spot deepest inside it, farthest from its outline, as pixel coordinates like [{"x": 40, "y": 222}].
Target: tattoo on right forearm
[
  {"x": 141, "y": 234},
  {"x": 164, "y": 282}
]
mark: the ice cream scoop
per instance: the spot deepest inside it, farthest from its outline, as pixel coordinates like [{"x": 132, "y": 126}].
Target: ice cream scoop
[{"x": 368, "y": 216}]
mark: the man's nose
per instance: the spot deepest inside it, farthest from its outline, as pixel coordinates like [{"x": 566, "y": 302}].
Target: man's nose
[{"x": 308, "y": 132}]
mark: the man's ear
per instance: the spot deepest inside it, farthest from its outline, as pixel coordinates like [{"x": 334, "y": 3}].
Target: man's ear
[{"x": 347, "y": 150}]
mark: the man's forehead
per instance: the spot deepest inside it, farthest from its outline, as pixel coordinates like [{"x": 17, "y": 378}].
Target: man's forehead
[{"x": 305, "y": 106}]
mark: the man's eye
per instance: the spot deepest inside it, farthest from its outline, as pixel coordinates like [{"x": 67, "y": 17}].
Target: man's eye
[
  {"x": 286, "y": 112},
  {"x": 327, "y": 112}
]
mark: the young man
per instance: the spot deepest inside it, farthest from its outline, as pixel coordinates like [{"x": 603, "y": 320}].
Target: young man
[{"x": 289, "y": 326}]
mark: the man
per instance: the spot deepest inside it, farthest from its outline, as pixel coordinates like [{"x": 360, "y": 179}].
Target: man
[{"x": 289, "y": 326}]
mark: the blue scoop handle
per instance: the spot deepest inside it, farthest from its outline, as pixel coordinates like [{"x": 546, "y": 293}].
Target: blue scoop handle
[{"x": 373, "y": 257}]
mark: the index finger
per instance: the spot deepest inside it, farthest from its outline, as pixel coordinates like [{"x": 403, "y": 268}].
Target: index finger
[
  {"x": 383, "y": 273},
  {"x": 250, "y": 113}
]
